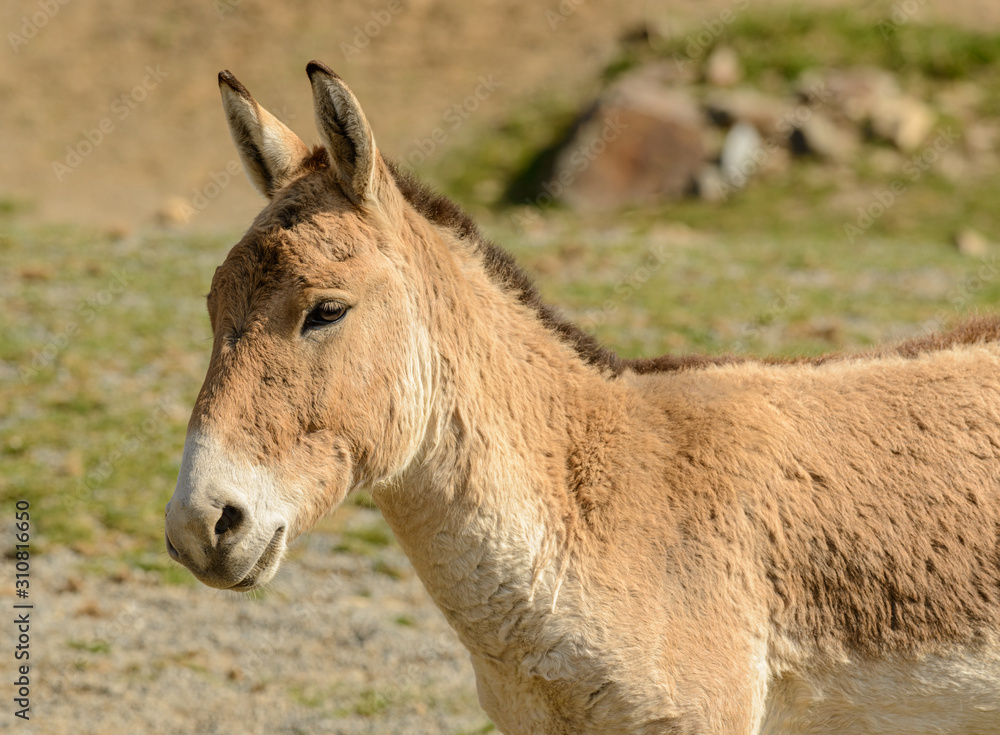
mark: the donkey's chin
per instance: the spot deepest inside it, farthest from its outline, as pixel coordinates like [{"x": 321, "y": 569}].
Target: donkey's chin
[
  {"x": 260, "y": 572},
  {"x": 266, "y": 566}
]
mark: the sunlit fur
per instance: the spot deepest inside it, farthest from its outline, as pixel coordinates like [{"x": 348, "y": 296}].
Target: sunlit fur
[{"x": 675, "y": 546}]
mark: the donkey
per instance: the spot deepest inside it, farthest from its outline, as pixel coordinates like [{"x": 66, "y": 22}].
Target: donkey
[{"x": 677, "y": 545}]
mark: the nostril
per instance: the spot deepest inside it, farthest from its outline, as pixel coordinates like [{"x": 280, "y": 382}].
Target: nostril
[{"x": 230, "y": 520}]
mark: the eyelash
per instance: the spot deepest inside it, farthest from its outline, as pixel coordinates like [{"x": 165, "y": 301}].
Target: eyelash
[{"x": 325, "y": 314}]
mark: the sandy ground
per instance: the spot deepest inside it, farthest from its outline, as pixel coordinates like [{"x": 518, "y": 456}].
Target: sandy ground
[
  {"x": 335, "y": 647},
  {"x": 147, "y": 71}
]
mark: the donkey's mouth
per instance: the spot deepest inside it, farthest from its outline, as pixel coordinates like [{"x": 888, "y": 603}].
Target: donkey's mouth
[{"x": 266, "y": 565}]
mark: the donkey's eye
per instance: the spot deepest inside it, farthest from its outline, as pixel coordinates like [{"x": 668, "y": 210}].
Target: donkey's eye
[{"x": 329, "y": 312}]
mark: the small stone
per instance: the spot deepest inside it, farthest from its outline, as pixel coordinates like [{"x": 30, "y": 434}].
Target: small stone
[
  {"x": 852, "y": 93},
  {"x": 175, "y": 211},
  {"x": 119, "y": 231},
  {"x": 960, "y": 100},
  {"x": 711, "y": 186},
  {"x": 742, "y": 155},
  {"x": 954, "y": 166},
  {"x": 90, "y": 608},
  {"x": 972, "y": 243},
  {"x": 73, "y": 464},
  {"x": 904, "y": 121},
  {"x": 723, "y": 67},
  {"x": 641, "y": 142},
  {"x": 35, "y": 273},
  {"x": 770, "y": 115},
  {"x": 818, "y": 135}
]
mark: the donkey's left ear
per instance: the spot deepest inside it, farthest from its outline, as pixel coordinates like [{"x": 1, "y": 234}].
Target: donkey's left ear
[
  {"x": 271, "y": 153},
  {"x": 346, "y": 134}
]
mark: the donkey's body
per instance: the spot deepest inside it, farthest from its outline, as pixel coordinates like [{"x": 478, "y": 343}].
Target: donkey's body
[{"x": 673, "y": 546}]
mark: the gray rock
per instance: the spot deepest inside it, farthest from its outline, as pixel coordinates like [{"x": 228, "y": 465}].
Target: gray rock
[
  {"x": 903, "y": 120},
  {"x": 818, "y": 135},
  {"x": 770, "y": 115},
  {"x": 711, "y": 186},
  {"x": 742, "y": 156},
  {"x": 849, "y": 93},
  {"x": 641, "y": 142}
]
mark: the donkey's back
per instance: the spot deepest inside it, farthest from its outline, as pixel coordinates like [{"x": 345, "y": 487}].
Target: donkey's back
[{"x": 867, "y": 493}]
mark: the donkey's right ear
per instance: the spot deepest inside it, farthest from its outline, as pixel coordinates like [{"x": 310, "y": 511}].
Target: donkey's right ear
[{"x": 271, "y": 153}]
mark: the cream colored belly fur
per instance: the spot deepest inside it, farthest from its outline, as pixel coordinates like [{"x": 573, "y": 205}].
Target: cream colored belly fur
[
  {"x": 956, "y": 693},
  {"x": 953, "y": 693}
]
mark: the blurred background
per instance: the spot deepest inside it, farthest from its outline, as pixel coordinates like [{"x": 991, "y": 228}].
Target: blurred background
[{"x": 715, "y": 176}]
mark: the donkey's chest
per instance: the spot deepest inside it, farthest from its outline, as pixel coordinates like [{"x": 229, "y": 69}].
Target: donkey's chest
[
  {"x": 562, "y": 673},
  {"x": 590, "y": 695}
]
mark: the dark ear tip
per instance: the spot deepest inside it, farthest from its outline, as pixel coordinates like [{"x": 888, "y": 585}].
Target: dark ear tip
[
  {"x": 226, "y": 78},
  {"x": 318, "y": 67}
]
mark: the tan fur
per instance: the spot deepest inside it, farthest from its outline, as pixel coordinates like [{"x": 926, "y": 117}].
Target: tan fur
[{"x": 673, "y": 546}]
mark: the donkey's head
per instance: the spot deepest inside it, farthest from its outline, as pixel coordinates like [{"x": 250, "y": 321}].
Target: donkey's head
[{"x": 320, "y": 377}]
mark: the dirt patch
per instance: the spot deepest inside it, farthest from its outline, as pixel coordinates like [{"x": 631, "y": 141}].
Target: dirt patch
[
  {"x": 122, "y": 95},
  {"x": 345, "y": 643}
]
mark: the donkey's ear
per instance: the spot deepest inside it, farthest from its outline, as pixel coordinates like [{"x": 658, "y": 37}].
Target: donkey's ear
[
  {"x": 271, "y": 153},
  {"x": 346, "y": 134}
]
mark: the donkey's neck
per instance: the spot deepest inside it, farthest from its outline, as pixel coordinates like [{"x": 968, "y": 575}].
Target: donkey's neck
[
  {"x": 482, "y": 517},
  {"x": 482, "y": 513}
]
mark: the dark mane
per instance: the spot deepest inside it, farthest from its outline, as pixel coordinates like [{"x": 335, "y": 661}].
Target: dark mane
[
  {"x": 506, "y": 273},
  {"x": 503, "y": 269}
]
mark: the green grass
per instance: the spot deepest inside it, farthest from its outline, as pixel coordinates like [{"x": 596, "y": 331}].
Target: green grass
[
  {"x": 371, "y": 536},
  {"x": 487, "y": 728},
  {"x": 648, "y": 287},
  {"x": 370, "y": 703},
  {"x": 789, "y": 41},
  {"x": 308, "y": 696},
  {"x": 95, "y": 646},
  {"x": 103, "y": 344}
]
